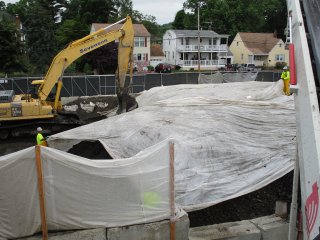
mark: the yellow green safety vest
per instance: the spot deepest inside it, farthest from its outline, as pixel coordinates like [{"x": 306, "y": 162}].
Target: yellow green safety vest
[
  {"x": 40, "y": 139},
  {"x": 285, "y": 75}
]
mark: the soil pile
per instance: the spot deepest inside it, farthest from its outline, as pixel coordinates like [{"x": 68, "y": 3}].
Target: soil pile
[
  {"x": 91, "y": 150},
  {"x": 253, "y": 205},
  {"x": 91, "y": 109}
]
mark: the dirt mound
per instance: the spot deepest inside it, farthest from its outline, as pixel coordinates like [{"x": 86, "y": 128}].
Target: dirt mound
[
  {"x": 92, "y": 150},
  {"x": 253, "y": 205},
  {"x": 91, "y": 108}
]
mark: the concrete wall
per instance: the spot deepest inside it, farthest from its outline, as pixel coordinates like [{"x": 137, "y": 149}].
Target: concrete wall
[
  {"x": 264, "y": 228},
  {"x": 155, "y": 231}
]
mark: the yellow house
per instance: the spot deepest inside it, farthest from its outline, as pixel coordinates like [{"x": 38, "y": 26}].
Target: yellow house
[{"x": 261, "y": 49}]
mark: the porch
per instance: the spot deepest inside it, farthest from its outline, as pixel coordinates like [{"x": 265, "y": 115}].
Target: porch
[
  {"x": 204, "y": 64},
  {"x": 203, "y": 48}
]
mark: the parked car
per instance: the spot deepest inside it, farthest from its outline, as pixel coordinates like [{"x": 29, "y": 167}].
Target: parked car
[
  {"x": 248, "y": 67},
  {"x": 162, "y": 68},
  {"x": 230, "y": 67}
]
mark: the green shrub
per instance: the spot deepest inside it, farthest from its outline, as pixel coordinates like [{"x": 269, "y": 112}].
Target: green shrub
[{"x": 150, "y": 68}]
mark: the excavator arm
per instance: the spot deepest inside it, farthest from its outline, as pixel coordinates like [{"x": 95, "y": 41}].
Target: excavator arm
[{"x": 80, "y": 47}]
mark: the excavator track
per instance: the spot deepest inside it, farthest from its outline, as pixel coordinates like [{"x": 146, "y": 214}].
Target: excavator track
[{"x": 28, "y": 127}]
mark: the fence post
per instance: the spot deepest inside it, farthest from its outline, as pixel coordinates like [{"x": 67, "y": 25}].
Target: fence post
[
  {"x": 71, "y": 85},
  {"x": 172, "y": 204},
  {"x": 44, "y": 226},
  {"x": 85, "y": 82}
]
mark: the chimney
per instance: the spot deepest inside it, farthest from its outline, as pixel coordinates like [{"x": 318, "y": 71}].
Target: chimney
[{"x": 18, "y": 22}]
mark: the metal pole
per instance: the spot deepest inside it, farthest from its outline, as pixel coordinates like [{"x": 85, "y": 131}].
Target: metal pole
[
  {"x": 172, "y": 200},
  {"x": 198, "y": 39},
  {"x": 294, "y": 205}
]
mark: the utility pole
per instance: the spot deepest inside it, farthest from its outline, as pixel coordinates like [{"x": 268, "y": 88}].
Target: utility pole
[{"x": 198, "y": 39}]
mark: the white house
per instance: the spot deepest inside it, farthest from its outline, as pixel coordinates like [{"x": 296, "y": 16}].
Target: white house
[
  {"x": 141, "y": 50},
  {"x": 181, "y": 48}
]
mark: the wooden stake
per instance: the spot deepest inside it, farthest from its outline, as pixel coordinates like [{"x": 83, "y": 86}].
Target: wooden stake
[
  {"x": 41, "y": 195},
  {"x": 172, "y": 205}
]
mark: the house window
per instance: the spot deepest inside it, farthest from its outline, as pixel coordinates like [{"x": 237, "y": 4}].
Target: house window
[
  {"x": 181, "y": 56},
  {"x": 223, "y": 41},
  {"x": 187, "y": 41},
  {"x": 280, "y": 58},
  {"x": 241, "y": 56},
  {"x": 139, "y": 41},
  {"x": 181, "y": 41},
  {"x": 139, "y": 56},
  {"x": 172, "y": 55},
  {"x": 210, "y": 42}
]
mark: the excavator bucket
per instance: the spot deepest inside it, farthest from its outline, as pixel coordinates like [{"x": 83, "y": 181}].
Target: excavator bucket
[{"x": 126, "y": 103}]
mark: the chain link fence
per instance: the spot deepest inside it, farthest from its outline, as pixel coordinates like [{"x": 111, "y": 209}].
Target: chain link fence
[{"x": 91, "y": 85}]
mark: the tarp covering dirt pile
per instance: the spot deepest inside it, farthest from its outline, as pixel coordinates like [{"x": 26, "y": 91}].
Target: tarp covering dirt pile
[
  {"x": 230, "y": 139},
  {"x": 82, "y": 193}
]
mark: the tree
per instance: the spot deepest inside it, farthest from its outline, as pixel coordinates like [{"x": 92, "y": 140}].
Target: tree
[
  {"x": 40, "y": 35},
  {"x": 123, "y": 8},
  {"x": 90, "y": 11},
  {"x": 70, "y": 30},
  {"x": 10, "y": 48},
  {"x": 232, "y": 16},
  {"x": 2, "y": 6},
  {"x": 178, "y": 22},
  {"x": 104, "y": 59}
]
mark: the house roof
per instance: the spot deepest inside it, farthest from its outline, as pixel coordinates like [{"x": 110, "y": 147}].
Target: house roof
[
  {"x": 156, "y": 50},
  {"x": 139, "y": 29},
  {"x": 259, "y": 43},
  {"x": 194, "y": 33}
]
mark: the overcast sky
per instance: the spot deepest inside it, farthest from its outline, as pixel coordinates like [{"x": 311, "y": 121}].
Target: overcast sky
[{"x": 163, "y": 10}]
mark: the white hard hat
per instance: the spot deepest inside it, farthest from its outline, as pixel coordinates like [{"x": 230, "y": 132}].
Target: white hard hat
[
  {"x": 39, "y": 129},
  {"x": 285, "y": 68}
]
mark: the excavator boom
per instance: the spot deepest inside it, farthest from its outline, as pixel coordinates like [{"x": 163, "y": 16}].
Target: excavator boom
[
  {"x": 87, "y": 44},
  {"x": 21, "y": 111}
]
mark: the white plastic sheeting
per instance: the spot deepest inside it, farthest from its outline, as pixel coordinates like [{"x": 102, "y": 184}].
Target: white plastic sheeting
[
  {"x": 82, "y": 193},
  {"x": 230, "y": 139},
  {"x": 227, "y": 77}
]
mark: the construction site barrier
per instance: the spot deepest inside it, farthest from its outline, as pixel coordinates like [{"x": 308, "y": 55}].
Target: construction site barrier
[
  {"x": 91, "y": 85},
  {"x": 79, "y": 193}
]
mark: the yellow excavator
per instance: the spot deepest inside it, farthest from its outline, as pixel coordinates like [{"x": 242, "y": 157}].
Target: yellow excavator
[{"x": 20, "y": 112}]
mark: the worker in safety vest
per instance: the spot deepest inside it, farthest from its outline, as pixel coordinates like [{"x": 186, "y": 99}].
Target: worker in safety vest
[
  {"x": 285, "y": 76},
  {"x": 40, "y": 139}
]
